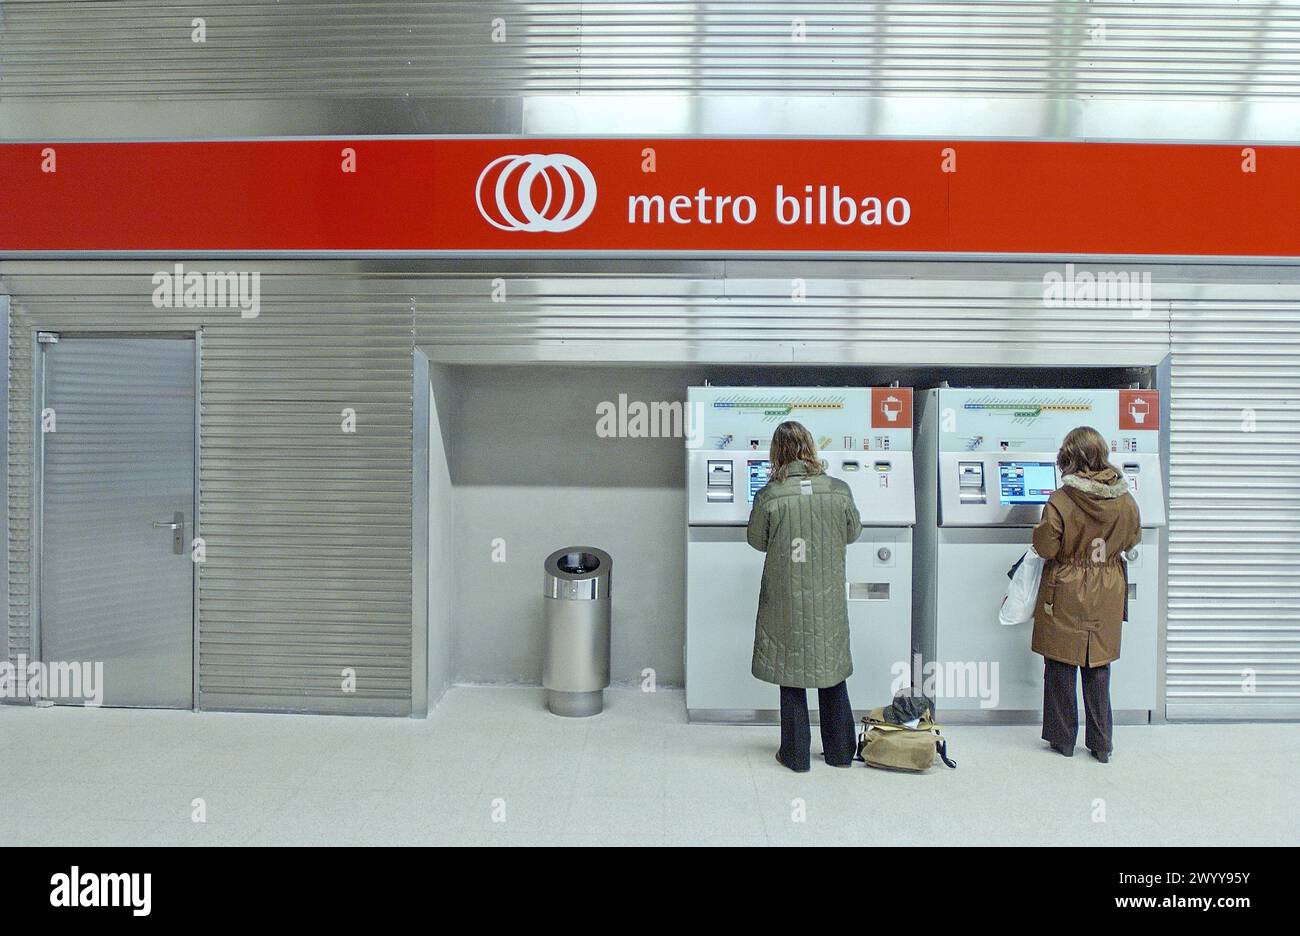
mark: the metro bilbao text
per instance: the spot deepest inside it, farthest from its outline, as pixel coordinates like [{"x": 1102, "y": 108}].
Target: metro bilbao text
[{"x": 821, "y": 205}]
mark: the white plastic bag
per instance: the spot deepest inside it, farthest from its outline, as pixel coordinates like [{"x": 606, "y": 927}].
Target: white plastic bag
[{"x": 1022, "y": 591}]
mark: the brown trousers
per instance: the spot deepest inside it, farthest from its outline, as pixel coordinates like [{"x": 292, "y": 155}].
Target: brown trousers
[{"x": 1060, "y": 705}]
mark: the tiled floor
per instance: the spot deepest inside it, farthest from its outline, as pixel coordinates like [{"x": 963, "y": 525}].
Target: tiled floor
[{"x": 491, "y": 766}]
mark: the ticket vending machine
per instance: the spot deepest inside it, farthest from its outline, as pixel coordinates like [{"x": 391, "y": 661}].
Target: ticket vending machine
[
  {"x": 986, "y": 463},
  {"x": 865, "y": 436}
]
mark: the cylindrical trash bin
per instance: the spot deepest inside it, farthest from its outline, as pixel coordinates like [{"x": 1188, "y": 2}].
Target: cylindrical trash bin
[{"x": 576, "y": 669}]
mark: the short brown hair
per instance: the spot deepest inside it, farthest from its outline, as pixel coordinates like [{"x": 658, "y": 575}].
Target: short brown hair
[
  {"x": 792, "y": 442},
  {"x": 1084, "y": 449}
]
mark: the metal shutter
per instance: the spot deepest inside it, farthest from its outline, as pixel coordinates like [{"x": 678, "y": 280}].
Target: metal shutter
[
  {"x": 19, "y": 470},
  {"x": 924, "y": 312},
  {"x": 85, "y": 49},
  {"x": 1234, "y": 520},
  {"x": 308, "y": 528}
]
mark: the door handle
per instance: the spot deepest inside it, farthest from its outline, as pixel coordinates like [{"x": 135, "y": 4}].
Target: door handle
[{"x": 177, "y": 526}]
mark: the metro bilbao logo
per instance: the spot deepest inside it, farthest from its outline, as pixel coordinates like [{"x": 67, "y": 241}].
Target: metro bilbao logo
[
  {"x": 510, "y": 187},
  {"x": 554, "y": 192}
]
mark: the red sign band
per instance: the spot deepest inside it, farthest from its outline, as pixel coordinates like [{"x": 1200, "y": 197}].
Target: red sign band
[{"x": 688, "y": 195}]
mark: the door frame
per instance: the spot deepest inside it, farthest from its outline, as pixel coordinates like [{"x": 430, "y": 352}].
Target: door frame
[{"x": 38, "y": 481}]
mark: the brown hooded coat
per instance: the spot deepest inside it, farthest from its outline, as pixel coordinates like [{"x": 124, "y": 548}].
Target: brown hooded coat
[{"x": 1088, "y": 524}]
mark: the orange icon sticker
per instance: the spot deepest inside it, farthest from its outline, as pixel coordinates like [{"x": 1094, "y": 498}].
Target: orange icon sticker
[
  {"x": 891, "y": 407},
  {"x": 1139, "y": 409}
]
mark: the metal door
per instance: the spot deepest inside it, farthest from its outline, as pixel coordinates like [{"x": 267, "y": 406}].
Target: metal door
[{"x": 115, "y": 459}]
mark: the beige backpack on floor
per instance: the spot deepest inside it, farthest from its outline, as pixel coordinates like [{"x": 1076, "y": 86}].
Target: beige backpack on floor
[{"x": 890, "y": 746}]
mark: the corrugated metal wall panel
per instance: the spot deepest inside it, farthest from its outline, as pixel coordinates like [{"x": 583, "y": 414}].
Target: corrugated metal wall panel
[
  {"x": 284, "y": 589},
  {"x": 1233, "y": 647},
  {"x": 641, "y": 319},
  {"x": 18, "y": 513},
  {"x": 85, "y": 49},
  {"x": 308, "y": 528},
  {"x": 4, "y": 475}
]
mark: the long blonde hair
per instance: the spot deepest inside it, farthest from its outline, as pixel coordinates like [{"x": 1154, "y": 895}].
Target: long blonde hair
[{"x": 792, "y": 442}]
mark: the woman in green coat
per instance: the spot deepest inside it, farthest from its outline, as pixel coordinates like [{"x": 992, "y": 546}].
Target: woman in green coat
[{"x": 803, "y": 520}]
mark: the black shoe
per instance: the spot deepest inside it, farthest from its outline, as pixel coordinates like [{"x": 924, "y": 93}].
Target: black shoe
[
  {"x": 1062, "y": 749},
  {"x": 849, "y": 764},
  {"x": 1103, "y": 756},
  {"x": 788, "y": 767}
]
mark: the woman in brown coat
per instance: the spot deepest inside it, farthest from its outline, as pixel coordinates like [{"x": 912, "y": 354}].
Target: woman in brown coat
[{"x": 1088, "y": 524}]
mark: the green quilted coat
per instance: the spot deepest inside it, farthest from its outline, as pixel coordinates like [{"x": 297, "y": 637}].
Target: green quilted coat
[{"x": 804, "y": 523}]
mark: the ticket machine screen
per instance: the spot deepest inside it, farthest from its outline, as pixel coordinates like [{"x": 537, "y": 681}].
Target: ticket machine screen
[
  {"x": 758, "y": 474},
  {"x": 1026, "y": 482}
]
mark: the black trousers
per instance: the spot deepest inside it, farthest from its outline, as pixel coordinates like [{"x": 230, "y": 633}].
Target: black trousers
[
  {"x": 838, "y": 737},
  {"x": 1060, "y": 708}
]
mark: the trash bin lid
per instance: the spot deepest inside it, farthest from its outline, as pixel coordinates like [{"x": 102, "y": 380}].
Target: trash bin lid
[
  {"x": 578, "y": 562},
  {"x": 578, "y": 572}
]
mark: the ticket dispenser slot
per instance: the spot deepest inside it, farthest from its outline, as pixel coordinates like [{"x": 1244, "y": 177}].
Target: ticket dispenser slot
[
  {"x": 1131, "y": 470},
  {"x": 868, "y": 591},
  {"x": 720, "y": 488},
  {"x": 970, "y": 482}
]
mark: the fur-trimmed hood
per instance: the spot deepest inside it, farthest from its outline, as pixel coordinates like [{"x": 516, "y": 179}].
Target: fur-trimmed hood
[{"x": 1105, "y": 484}]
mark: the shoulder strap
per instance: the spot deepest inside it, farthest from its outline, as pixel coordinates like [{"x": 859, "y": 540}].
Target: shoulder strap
[{"x": 941, "y": 745}]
